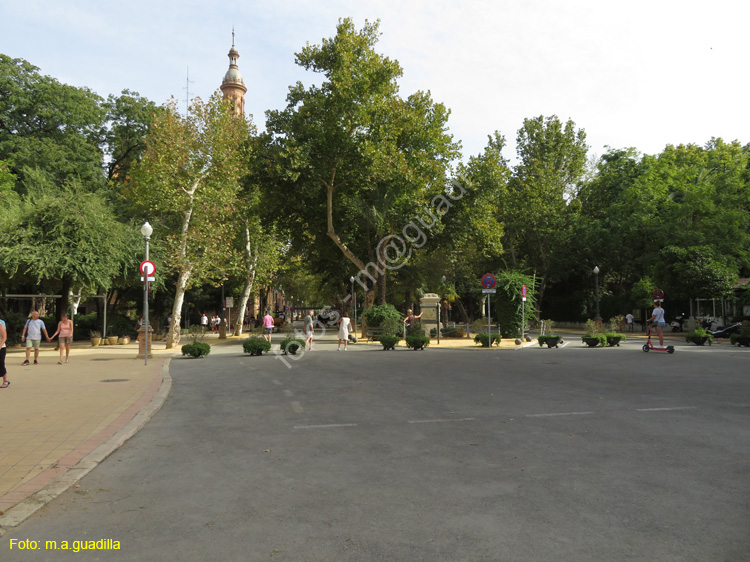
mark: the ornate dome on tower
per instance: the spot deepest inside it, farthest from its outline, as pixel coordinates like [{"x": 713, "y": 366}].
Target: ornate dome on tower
[{"x": 233, "y": 86}]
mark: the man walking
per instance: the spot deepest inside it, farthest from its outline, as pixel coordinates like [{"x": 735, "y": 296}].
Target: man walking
[{"x": 32, "y": 336}]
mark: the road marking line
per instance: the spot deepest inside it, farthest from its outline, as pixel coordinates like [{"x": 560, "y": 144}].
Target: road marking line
[
  {"x": 288, "y": 393},
  {"x": 443, "y": 421},
  {"x": 325, "y": 426},
  {"x": 558, "y": 414},
  {"x": 279, "y": 383},
  {"x": 297, "y": 407},
  {"x": 666, "y": 409}
]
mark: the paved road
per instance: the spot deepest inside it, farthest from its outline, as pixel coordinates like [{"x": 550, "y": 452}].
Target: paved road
[{"x": 564, "y": 454}]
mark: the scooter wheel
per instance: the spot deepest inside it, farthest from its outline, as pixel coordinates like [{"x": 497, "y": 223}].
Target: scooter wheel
[
  {"x": 645, "y": 347},
  {"x": 670, "y": 349}
]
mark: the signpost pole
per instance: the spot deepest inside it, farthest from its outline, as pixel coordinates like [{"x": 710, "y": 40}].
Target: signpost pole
[
  {"x": 523, "y": 319},
  {"x": 489, "y": 324}
]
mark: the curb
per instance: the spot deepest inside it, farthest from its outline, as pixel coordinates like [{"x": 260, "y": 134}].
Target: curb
[{"x": 26, "y": 508}]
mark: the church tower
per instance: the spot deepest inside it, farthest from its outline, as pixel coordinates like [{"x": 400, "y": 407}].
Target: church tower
[{"x": 233, "y": 86}]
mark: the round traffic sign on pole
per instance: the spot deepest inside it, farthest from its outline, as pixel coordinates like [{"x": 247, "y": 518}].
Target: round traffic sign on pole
[
  {"x": 523, "y": 291},
  {"x": 658, "y": 294},
  {"x": 147, "y": 267},
  {"x": 488, "y": 281}
]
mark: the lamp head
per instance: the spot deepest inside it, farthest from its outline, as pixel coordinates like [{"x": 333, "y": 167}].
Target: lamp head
[
  {"x": 146, "y": 230},
  {"x": 351, "y": 278},
  {"x": 596, "y": 270}
]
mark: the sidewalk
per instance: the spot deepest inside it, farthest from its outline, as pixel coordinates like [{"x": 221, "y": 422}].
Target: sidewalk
[{"x": 59, "y": 421}]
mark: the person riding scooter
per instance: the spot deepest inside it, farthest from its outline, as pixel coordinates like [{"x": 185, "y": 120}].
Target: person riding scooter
[{"x": 658, "y": 319}]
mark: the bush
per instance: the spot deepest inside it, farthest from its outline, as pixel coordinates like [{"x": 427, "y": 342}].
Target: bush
[
  {"x": 120, "y": 325},
  {"x": 392, "y": 326},
  {"x": 601, "y": 339},
  {"x": 699, "y": 333},
  {"x": 197, "y": 349},
  {"x": 256, "y": 346},
  {"x": 417, "y": 341},
  {"x": 85, "y": 324},
  {"x": 612, "y": 337},
  {"x": 291, "y": 345},
  {"x": 484, "y": 339},
  {"x": 377, "y": 315},
  {"x": 389, "y": 342},
  {"x": 549, "y": 337},
  {"x": 14, "y": 323}
]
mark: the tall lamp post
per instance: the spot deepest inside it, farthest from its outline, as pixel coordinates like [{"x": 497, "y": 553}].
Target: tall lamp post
[
  {"x": 598, "y": 318},
  {"x": 146, "y": 231},
  {"x": 354, "y": 297}
]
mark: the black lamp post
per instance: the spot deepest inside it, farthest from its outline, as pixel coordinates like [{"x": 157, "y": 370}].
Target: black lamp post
[{"x": 596, "y": 285}]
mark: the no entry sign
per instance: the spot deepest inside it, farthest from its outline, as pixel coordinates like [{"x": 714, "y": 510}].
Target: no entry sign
[{"x": 147, "y": 267}]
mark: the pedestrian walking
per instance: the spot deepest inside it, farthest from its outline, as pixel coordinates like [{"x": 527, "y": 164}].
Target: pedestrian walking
[
  {"x": 629, "y": 319},
  {"x": 65, "y": 331},
  {"x": 32, "y": 336},
  {"x": 309, "y": 330},
  {"x": 268, "y": 326},
  {"x": 345, "y": 326},
  {"x": 204, "y": 322},
  {"x": 3, "y": 349}
]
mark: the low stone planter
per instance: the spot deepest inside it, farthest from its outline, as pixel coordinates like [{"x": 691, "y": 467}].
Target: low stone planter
[
  {"x": 699, "y": 340},
  {"x": 591, "y": 342}
]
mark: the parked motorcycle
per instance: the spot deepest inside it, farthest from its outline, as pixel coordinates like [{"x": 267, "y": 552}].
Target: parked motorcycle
[
  {"x": 678, "y": 321},
  {"x": 726, "y": 331}
]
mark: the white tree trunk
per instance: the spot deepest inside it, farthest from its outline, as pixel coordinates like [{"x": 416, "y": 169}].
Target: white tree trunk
[
  {"x": 251, "y": 261},
  {"x": 173, "y": 337}
]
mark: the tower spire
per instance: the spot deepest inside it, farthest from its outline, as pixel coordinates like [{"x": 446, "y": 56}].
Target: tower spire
[{"x": 233, "y": 86}]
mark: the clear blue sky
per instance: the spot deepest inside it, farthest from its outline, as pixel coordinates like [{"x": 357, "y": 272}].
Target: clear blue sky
[{"x": 638, "y": 73}]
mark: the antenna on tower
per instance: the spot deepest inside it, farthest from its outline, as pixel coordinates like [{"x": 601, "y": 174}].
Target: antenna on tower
[{"x": 188, "y": 81}]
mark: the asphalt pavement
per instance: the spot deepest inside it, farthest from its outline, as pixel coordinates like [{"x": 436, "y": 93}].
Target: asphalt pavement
[{"x": 443, "y": 454}]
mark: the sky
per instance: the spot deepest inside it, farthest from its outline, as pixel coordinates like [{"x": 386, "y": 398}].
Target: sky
[{"x": 641, "y": 73}]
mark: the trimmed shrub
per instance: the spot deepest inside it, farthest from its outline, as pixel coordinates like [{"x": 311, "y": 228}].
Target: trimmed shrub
[
  {"x": 198, "y": 349},
  {"x": 484, "y": 339},
  {"x": 291, "y": 345},
  {"x": 389, "y": 342},
  {"x": 417, "y": 341},
  {"x": 601, "y": 339},
  {"x": 256, "y": 346}
]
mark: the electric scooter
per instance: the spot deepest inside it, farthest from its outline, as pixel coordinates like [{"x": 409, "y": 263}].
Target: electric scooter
[{"x": 649, "y": 346}]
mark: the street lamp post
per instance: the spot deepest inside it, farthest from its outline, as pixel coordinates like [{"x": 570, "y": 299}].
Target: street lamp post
[
  {"x": 598, "y": 318},
  {"x": 354, "y": 297},
  {"x": 146, "y": 231}
]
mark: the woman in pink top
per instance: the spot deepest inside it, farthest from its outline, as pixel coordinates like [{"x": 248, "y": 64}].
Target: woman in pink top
[
  {"x": 65, "y": 329},
  {"x": 267, "y": 325}
]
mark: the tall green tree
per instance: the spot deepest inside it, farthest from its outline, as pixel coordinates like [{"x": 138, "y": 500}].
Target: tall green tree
[
  {"x": 66, "y": 238},
  {"x": 361, "y": 161},
  {"x": 536, "y": 211},
  {"x": 187, "y": 182},
  {"x": 49, "y": 127}
]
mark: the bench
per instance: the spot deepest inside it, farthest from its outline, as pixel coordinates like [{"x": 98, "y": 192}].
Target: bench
[{"x": 372, "y": 332}]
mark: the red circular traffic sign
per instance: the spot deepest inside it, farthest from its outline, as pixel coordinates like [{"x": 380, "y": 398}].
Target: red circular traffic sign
[
  {"x": 147, "y": 267},
  {"x": 488, "y": 281},
  {"x": 523, "y": 291},
  {"x": 658, "y": 294}
]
